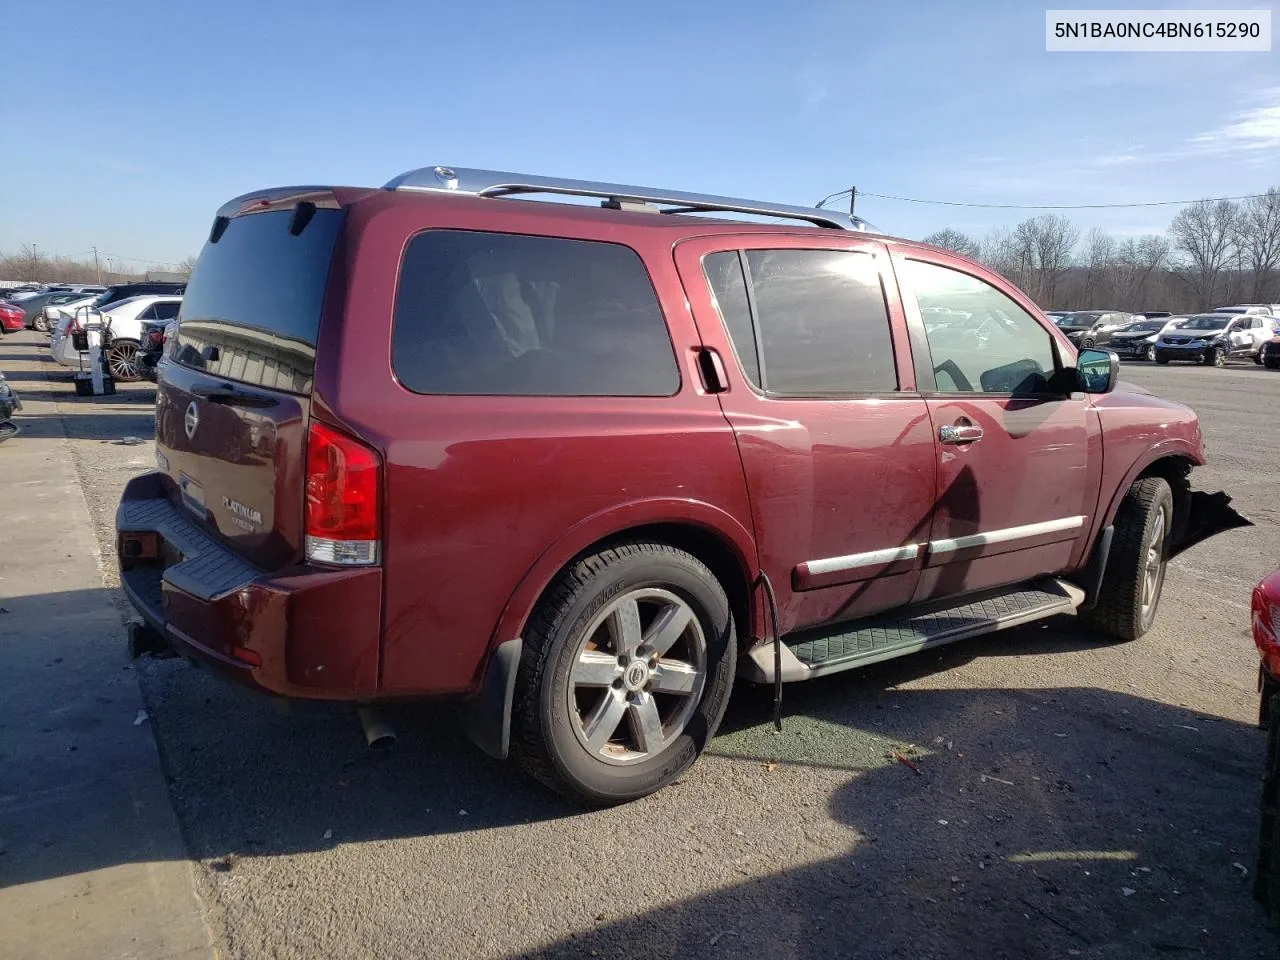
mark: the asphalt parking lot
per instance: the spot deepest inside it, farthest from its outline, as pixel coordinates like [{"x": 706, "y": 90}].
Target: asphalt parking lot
[{"x": 1068, "y": 798}]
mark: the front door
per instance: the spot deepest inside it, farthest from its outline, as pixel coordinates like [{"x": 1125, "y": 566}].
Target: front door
[
  {"x": 1015, "y": 460},
  {"x": 836, "y": 445}
]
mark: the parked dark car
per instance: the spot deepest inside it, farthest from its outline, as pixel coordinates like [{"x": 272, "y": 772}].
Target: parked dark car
[
  {"x": 1091, "y": 328},
  {"x": 577, "y": 467},
  {"x": 1137, "y": 340},
  {"x": 155, "y": 336},
  {"x": 1269, "y": 355},
  {"x": 1154, "y": 314},
  {"x": 9, "y": 404}
]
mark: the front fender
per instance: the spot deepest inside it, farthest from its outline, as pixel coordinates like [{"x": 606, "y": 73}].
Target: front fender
[{"x": 1201, "y": 516}]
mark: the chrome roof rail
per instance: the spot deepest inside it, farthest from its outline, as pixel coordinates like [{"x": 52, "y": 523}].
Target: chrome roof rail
[{"x": 494, "y": 183}]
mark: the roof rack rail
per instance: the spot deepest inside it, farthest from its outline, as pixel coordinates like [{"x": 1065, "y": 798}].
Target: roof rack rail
[{"x": 495, "y": 183}]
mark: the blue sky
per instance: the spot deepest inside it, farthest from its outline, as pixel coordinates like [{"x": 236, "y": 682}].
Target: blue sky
[{"x": 143, "y": 117}]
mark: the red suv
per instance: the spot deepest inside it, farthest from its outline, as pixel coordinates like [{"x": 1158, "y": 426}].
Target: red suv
[{"x": 580, "y": 465}]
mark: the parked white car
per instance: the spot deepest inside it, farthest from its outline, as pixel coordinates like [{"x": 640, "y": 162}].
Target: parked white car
[{"x": 126, "y": 333}]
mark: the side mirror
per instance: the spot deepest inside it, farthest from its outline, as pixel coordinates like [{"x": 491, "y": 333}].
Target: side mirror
[{"x": 1097, "y": 371}]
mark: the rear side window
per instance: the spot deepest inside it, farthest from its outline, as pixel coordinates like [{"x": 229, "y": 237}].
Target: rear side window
[
  {"x": 820, "y": 319},
  {"x": 729, "y": 286},
  {"x": 251, "y": 311},
  {"x": 167, "y": 311},
  {"x": 507, "y": 315}
]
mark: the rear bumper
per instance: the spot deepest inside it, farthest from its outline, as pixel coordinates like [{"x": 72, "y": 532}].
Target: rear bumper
[{"x": 298, "y": 632}]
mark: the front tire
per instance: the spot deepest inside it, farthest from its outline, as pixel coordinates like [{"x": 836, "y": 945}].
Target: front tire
[
  {"x": 625, "y": 674},
  {"x": 1272, "y": 363},
  {"x": 1215, "y": 357},
  {"x": 1134, "y": 578},
  {"x": 1161, "y": 358}
]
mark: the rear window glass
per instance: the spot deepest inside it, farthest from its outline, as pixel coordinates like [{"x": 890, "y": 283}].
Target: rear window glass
[
  {"x": 507, "y": 315},
  {"x": 251, "y": 311}
]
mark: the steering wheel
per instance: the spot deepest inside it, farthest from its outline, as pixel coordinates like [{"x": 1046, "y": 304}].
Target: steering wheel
[{"x": 956, "y": 374}]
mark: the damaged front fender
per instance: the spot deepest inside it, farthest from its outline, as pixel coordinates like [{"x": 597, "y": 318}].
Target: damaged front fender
[{"x": 1204, "y": 515}]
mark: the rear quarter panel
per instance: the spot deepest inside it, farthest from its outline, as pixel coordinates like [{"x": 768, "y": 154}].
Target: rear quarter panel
[{"x": 487, "y": 497}]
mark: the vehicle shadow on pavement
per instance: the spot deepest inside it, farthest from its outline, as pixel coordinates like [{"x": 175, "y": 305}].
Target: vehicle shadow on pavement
[
  {"x": 109, "y": 426},
  {"x": 1027, "y": 823},
  {"x": 1017, "y": 823}
]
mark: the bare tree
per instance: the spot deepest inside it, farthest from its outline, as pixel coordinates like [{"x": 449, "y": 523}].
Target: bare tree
[
  {"x": 951, "y": 239},
  {"x": 996, "y": 251},
  {"x": 1137, "y": 261},
  {"x": 1258, "y": 241},
  {"x": 1203, "y": 236},
  {"x": 28, "y": 263},
  {"x": 1042, "y": 247},
  {"x": 1099, "y": 261}
]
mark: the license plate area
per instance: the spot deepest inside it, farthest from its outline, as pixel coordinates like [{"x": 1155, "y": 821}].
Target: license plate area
[{"x": 192, "y": 496}]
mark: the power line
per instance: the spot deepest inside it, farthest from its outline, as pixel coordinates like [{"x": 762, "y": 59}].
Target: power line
[
  {"x": 120, "y": 256},
  {"x": 1046, "y": 206}
]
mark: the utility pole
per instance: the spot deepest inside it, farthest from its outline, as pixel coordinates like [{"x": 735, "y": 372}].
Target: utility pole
[
  {"x": 853, "y": 198},
  {"x": 96, "y": 267}
]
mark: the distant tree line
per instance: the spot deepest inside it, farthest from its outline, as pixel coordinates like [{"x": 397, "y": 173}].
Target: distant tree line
[
  {"x": 1213, "y": 253},
  {"x": 30, "y": 265}
]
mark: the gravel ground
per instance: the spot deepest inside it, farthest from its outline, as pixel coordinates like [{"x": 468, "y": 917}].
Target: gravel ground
[{"x": 1069, "y": 798}]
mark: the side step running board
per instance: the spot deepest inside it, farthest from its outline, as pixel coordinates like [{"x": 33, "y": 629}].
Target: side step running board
[{"x": 844, "y": 646}]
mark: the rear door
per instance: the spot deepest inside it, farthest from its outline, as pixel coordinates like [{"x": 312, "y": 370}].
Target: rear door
[
  {"x": 835, "y": 443},
  {"x": 234, "y": 393},
  {"x": 1018, "y": 464}
]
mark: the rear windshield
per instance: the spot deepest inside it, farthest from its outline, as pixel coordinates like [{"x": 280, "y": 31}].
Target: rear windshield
[{"x": 251, "y": 311}]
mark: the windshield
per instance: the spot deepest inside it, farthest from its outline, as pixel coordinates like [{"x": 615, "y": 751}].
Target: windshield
[
  {"x": 1146, "y": 326},
  {"x": 1204, "y": 323}
]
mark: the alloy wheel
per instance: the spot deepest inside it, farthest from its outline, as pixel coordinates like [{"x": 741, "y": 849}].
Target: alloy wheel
[
  {"x": 1153, "y": 566},
  {"x": 638, "y": 676},
  {"x": 122, "y": 360}
]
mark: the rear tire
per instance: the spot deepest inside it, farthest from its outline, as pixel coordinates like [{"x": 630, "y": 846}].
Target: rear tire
[
  {"x": 1134, "y": 578},
  {"x": 40, "y": 324},
  {"x": 1161, "y": 358},
  {"x": 601, "y": 731},
  {"x": 1150, "y": 354}
]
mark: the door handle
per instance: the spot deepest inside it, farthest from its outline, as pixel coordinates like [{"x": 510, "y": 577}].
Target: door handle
[{"x": 960, "y": 433}]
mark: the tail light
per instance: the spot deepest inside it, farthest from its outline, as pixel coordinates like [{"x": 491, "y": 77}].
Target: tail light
[{"x": 343, "y": 524}]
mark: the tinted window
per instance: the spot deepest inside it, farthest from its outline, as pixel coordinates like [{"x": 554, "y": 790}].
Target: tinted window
[
  {"x": 148, "y": 314},
  {"x": 995, "y": 346},
  {"x": 251, "y": 310},
  {"x": 729, "y": 288},
  {"x": 499, "y": 314},
  {"x": 166, "y": 311},
  {"x": 824, "y": 327}
]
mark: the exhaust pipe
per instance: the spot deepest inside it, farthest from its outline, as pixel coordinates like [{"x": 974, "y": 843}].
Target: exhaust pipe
[{"x": 377, "y": 731}]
